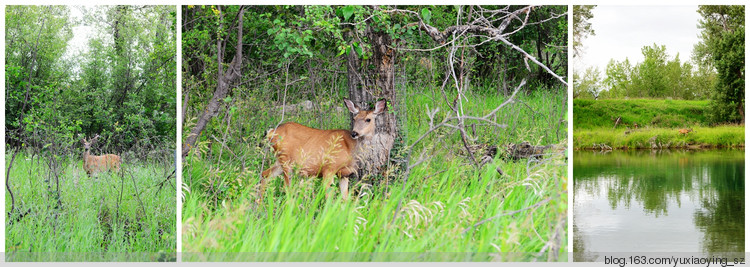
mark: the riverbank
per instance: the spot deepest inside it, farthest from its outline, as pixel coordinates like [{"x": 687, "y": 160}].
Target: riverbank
[
  {"x": 659, "y": 138},
  {"x": 658, "y": 113}
]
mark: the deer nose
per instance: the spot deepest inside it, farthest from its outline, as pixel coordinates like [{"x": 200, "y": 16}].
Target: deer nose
[{"x": 355, "y": 134}]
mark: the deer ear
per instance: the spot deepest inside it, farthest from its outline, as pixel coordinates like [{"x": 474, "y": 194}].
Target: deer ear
[
  {"x": 379, "y": 107},
  {"x": 352, "y": 108}
]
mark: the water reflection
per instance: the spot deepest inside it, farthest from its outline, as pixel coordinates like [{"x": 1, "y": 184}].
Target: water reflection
[{"x": 658, "y": 201}]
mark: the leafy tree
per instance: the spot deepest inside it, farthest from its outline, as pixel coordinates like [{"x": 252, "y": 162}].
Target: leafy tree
[
  {"x": 121, "y": 86},
  {"x": 657, "y": 76},
  {"x": 618, "y": 78},
  {"x": 650, "y": 73},
  {"x": 36, "y": 39},
  {"x": 589, "y": 85},
  {"x": 581, "y": 26},
  {"x": 722, "y": 46}
]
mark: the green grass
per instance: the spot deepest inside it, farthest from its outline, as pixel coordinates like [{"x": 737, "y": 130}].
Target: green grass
[
  {"x": 447, "y": 210},
  {"x": 100, "y": 219},
  {"x": 703, "y": 137},
  {"x": 658, "y": 124},
  {"x": 659, "y": 113}
]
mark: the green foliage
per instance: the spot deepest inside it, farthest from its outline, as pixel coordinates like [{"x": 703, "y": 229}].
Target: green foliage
[
  {"x": 36, "y": 38},
  {"x": 442, "y": 197},
  {"x": 100, "y": 219},
  {"x": 723, "y": 47},
  {"x": 700, "y": 137},
  {"x": 221, "y": 172},
  {"x": 656, "y": 77},
  {"x": 121, "y": 86},
  {"x": 594, "y": 123},
  {"x": 591, "y": 114},
  {"x": 581, "y": 26},
  {"x": 589, "y": 85}
]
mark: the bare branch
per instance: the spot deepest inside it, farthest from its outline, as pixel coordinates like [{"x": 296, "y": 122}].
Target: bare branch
[{"x": 482, "y": 26}]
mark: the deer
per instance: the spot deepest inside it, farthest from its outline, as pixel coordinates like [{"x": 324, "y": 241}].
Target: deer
[
  {"x": 685, "y": 131},
  {"x": 95, "y": 164},
  {"x": 321, "y": 153}
]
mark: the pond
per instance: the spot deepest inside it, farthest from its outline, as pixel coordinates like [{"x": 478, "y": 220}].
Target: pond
[{"x": 681, "y": 201}]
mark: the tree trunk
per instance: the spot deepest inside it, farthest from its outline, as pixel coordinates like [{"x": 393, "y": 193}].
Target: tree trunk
[
  {"x": 225, "y": 81},
  {"x": 367, "y": 83}
]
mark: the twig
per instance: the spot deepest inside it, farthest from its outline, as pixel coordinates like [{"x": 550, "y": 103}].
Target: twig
[
  {"x": 137, "y": 195},
  {"x": 7, "y": 183},
  {"x": 119, "y": 199},
  {"x": 161, "y": 184}
]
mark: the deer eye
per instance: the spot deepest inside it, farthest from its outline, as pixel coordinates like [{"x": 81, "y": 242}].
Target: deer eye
[{"x": 367, "y": 120}]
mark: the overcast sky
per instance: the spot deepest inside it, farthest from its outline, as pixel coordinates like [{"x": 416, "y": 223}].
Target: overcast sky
[
  {"x": 81, "y": 33},
  {"x": 621, "y": 31}
]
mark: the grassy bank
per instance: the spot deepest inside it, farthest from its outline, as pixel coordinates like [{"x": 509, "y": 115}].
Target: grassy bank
[
  {"x": 659, "y": 113},
  {"x": 659, "y": 122},
  {"x": 700, "y": 137},
  {"x": 446, "y": 210},
  {"x": 106, "y": 218}
]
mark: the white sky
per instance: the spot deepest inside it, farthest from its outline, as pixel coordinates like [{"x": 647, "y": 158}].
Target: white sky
[
  {"x": 81, "y": 35},
  {"x": 621, "y": 31}
]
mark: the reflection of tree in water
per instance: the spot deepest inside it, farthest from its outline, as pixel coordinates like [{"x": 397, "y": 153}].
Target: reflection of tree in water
[
  {"x": 579, "y": 247},
  {"x": 722, "y": 219},
  {"x": 650, "y": 179},
  {"x": 714, "y": 180}
]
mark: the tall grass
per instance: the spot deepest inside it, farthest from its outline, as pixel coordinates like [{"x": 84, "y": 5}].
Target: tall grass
[
  {"x": 110, "y": 217},
  {"x": 447, "y": 209}
]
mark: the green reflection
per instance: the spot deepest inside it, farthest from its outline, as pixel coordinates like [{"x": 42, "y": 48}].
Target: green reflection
[{"x": 706, "y": 187}]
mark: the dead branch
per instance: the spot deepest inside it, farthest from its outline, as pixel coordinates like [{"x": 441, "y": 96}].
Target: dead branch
[
  {"x": 483, "y": 27},
  {"x": 224, "y": 84},
  {"x": 7, "y": 183}
]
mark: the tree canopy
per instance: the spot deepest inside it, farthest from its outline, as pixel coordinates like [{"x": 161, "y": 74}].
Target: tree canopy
[
  {"x": 722, "y": 47},
  {"x": 121, "y": 85}
]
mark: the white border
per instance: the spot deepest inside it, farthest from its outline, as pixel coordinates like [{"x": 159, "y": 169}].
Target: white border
[
  {"x": 178, "y": 148},
  {"x": 2, "y": 124}
]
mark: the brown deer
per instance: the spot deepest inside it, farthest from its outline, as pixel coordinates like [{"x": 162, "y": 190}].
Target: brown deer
[
  {"x": 96, "y": 164},
  {"x": 320, "y": 153},
  {"x": 685, "y": 131}
]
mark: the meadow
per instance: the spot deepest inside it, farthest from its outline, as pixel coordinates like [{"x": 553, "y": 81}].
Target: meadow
[
  {"x": 445, "y": 209},
  {"x": 67, "y": 216},
  {"x": 658, "y": 125}
]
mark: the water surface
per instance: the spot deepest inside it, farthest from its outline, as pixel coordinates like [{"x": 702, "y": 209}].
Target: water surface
[{"x": 658, "y": 201}]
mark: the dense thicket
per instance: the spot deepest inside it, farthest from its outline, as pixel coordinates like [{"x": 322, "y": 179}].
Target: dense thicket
[
  {"x": 121, "y": 85},
  {"x": 323, "y": 53},
  {"x": 314, "y": 41},
  {"x": 723, "y": 48}
]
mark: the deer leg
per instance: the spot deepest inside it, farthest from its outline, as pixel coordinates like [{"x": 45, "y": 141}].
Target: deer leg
[
  {"x": 344, "y": 187},
  {"x": 327, "y": 181},
  {"x": 286, "y": 172},
  {"x": 271, "y": 172}
]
